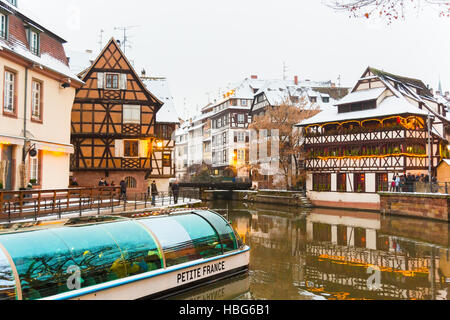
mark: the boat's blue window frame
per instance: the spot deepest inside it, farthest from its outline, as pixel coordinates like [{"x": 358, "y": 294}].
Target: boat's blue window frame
[{"x": 223, "y": 229}]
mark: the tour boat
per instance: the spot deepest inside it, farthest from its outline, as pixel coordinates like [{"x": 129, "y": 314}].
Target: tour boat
[{"x": 116, "y": 258}]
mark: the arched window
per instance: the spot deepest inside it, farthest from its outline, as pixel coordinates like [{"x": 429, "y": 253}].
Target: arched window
[{"x": 131, "y": 182}]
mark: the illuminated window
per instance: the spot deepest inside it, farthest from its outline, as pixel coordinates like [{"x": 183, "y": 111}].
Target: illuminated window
[
  {"x": 360, "y": 182},
  {"x": 341, "y": 182},
  {"x": 382, "y": 183},
  {"x": 167, "y": 160}
]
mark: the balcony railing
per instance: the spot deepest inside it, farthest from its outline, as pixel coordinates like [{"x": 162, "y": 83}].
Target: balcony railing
[{"x": 336, "y": 138}]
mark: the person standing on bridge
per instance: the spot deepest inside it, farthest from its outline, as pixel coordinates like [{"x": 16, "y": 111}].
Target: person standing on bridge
[
  {"x": 154, "y": 192},
  {"x": 123, "y": 189},
  {"x": 175, "y": 191}
]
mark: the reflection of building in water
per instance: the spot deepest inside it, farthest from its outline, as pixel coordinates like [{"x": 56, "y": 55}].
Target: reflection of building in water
[
  {"x": 340, "y": 249},
  {"x": 329, "y": 252}
]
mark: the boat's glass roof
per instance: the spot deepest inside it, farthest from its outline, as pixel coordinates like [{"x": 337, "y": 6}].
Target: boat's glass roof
[{"x": 61, "y": 259}]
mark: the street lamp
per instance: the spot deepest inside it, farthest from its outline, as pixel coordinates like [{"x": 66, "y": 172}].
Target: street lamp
[{"x": 430, "y": 119}]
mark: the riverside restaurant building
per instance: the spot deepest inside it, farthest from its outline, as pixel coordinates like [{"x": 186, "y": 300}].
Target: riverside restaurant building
[{"x": 378, "y": 130}]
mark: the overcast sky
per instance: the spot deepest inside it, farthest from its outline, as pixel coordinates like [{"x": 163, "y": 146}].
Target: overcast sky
[{"x": 202, "y": 46}]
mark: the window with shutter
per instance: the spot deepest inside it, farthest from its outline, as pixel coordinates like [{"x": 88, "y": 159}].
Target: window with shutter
[
  {"x": 118, "y": 148},
  {"x": 123, "y": 81},
  {"x": 132, "y": 114},
  {"x": 131, "y": 148},
  {"x": 111, "y": 81},
  {"x": 100, "y": 80}
]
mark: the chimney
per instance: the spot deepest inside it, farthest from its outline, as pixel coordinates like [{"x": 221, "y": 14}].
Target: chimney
[
  {"x": 447, "y": 94},
  {"x": 254, "y": 77},
  {"x": 438, "y": 93},
  {"x": 88, "y": 51},
  {"x": 296, "y": 80}
]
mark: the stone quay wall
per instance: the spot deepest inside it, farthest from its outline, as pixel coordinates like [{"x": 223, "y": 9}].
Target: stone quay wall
[{"x": 428, "y": 206}]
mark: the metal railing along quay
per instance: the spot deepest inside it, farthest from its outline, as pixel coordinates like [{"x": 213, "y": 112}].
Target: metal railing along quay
[
  {"x": 417, "y": 187},
  {"x": 35, "y": 204}
]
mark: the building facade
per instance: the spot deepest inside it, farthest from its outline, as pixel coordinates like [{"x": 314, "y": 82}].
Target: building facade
[
  {"x": 380, "y": 129},
  {"x": 230, "y": 118},
  {"x": 115, "y": 128},
  {"x": 306, "y": 96},
  {"x": 38, "y": 91}
]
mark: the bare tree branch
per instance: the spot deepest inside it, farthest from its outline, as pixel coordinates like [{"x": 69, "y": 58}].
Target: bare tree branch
[{"x": 390, "y": 9}]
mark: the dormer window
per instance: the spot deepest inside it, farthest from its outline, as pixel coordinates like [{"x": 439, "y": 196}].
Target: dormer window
[
  {"x": 3, "y": 25},
  {"x": 34, "y": 42}
]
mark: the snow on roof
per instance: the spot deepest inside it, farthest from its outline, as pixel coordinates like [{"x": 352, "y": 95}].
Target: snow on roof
[
  {"x": 447, "y": 161},
  {"x": 160, "y": 88},
  {"x": 361, "y": 96},
  {"x": 390, "y": 106},
  {"x": 45, "y": 60}
]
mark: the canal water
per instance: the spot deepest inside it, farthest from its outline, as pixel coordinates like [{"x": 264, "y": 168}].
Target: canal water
[{"x": 327, "y": 254}]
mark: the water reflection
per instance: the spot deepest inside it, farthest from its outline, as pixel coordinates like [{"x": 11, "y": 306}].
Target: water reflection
[{"x": 334, "y": 254}]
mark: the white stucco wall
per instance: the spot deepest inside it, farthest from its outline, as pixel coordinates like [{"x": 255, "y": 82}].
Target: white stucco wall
[
  {"x": 55, "y": 170},
  {"x": 344, "y": 197}
]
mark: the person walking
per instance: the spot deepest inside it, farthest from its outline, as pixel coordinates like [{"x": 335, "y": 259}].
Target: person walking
[
  {"x": 101, "y": 183},
  {"x": 154, "y": 192},
  {"x": 175, "y": 191},
  {"x": 392, "y": 189},
  {"x": 123, "y": 190}
]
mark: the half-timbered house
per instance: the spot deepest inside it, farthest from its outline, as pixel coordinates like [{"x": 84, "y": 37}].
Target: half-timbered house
[
  {"x": 114, "y": 128},
  {"x": 378, "y": 130}
]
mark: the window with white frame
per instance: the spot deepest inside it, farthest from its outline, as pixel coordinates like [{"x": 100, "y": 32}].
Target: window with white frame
[
  {"x": 241, "y": 118},
  {"x": 36, "y": 99},
  {"x": 3, "y": 25},
  {"x": 9, "y": 92},
  {"x": 34, "y": 170},
  {"x": 241, "y": 155},
  {"x": 243, "y": 102},
  {"x": 240, "y": 136},
  {"x": 34, "y": 42},
  {"x": 131, "y": 114}
]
